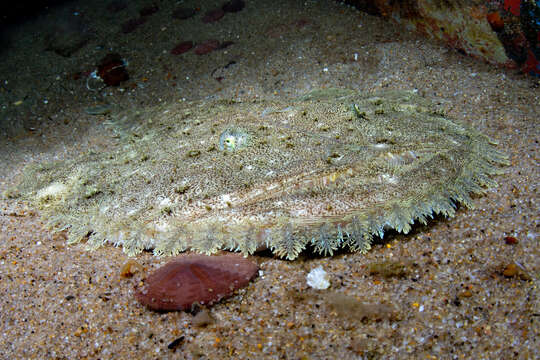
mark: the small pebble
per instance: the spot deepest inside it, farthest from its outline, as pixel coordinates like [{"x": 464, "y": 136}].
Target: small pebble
[
  {"x": 510, "y": 240},
  {"x": 318, "y": 279},
  {"x": 290, "y": 325},
  {"x": 202, "y": 318},
  {"x": 176, "y": 343},
  {"x": 514, "y": 269},
  {"x": 510, "y": 270},
  {"x": 130, "y": 268}
]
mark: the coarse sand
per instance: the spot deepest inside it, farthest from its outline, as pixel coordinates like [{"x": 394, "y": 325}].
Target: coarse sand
[{"x": 461, "y": 288}]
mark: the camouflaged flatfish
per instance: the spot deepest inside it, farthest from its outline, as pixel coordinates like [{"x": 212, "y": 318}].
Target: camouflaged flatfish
[{"x": 331, "y": 169}]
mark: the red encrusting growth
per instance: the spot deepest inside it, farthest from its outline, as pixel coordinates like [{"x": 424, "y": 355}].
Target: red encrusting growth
[
  {"x": 513, "y": 6},
  {"x": 191, "y": 279}
]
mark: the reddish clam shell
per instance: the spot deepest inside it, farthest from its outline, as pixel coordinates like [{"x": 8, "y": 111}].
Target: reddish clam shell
[
  {"x": 182, "y": 47},
  {"x": 195, "y": 278},
  {"x": 213, "y": 15},
  {"x": 206, "y": 47}
]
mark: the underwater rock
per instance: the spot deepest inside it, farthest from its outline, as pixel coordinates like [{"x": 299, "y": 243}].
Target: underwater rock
[
  {"x": 333, "y": 169},
  {"x": 504, "y": 32},
  {"x": 195, "y": 279}
]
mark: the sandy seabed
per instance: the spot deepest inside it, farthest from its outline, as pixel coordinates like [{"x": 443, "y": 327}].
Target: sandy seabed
[{"x": 449, "y": 298}]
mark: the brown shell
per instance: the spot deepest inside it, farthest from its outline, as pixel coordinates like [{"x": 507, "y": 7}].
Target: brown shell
[{"x": 195, "y": 278}]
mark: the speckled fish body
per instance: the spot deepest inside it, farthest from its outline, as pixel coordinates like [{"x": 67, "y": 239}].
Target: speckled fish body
[{"x": 332, "y": 169}]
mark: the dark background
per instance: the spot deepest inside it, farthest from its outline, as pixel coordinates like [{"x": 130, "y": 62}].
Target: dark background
[{"x": 17, "y": 11}]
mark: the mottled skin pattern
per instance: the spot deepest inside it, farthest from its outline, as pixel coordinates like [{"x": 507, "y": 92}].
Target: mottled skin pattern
[{"x": 333, "y": 168}]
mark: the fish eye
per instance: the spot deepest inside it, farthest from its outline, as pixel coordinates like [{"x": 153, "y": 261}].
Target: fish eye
[{"x": 233, "y": 139}]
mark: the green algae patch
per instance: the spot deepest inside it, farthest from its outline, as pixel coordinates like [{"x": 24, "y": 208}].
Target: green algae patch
[{"x": 333, "y": 168}]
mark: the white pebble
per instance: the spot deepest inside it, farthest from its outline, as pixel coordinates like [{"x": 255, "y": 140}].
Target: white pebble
[{"x": 318, "y": 279}]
